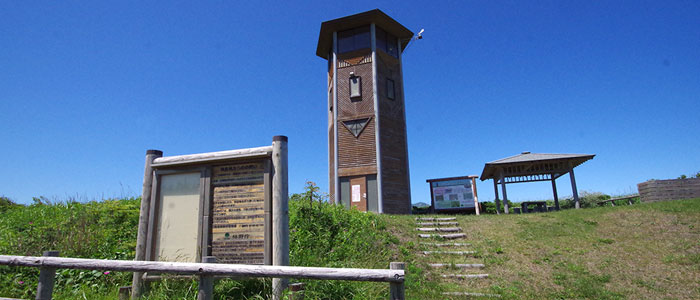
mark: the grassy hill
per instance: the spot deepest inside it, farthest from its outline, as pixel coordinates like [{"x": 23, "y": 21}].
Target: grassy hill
[{"x": 644, "y": 251}]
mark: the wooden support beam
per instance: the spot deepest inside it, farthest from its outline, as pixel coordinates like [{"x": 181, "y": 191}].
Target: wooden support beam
[
  {"x": 280, "y": 212},
  {"x": 461, "y": 266},
  {"x": 554, "y": 191},
  {"x": 229, "y": 270},
  {"x": 206, "y": 282},
  {"x": 440, "y": 229},
  {"x": 476, "y": 198},
  {"x": 296, "y": 291},
  {"x": 144, "y": 214},
  {"x": 465, "y": 276},
  {"x": 438, "y": 224},
  {"x": 444, "y": 236},
  {"x": 449, "y": 252},
  {"x": 396, "y": 289},
  {"x": 495, "y": 191},
  {"x": 436, "y": 219},
  {"x": 470, "y": 294},
  {"x": 47, "y": 275},
  {"x": 123, "y": 292},
  {"x": 447, "y": 244},
  {"x": 505, "y": 195},
  {"x": 573, "y": 187}
]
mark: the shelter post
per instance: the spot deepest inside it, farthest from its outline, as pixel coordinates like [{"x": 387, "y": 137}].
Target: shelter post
[
  {"x": 505, "y": 195},
  {"x": 476, "y": 198},
  {"x": 554, "y": 191},
  {"x": 495, "y": 191},
  {"x": 573, "y": 187}
]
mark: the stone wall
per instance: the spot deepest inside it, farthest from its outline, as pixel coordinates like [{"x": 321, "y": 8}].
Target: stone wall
[{"x": 672, "y": 189}]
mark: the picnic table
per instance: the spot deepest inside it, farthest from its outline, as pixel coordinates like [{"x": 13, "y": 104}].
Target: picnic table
[
  {"x": 541, "y": 206},
  {"x": 612, "y": 200}
]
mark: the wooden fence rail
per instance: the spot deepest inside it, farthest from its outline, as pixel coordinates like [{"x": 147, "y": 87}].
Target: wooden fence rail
[{"x": 394, "y": 276}]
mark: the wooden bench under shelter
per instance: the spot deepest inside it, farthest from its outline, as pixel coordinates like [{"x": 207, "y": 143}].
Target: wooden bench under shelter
[
  {"x": 612, "y": 200},
  {"x": 531, "y": 167}
]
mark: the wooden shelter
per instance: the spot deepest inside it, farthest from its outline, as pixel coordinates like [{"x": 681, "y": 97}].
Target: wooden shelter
[{"x": 531, "y": 167}]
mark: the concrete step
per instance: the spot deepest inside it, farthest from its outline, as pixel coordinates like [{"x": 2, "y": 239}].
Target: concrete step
[
  {"x": 465, "y": 276},
  {"x": 447, "y": 244},
  {"x": 438, "y": 224},
  {"x": 450, "y": 236},
  {"x": 470, "y": 294},
  {"x": 436, "y": 219},
  {"x": 440, "y": 229},
  {"x": 461, "y": 266},
  {"x": 449, "y": 252}
]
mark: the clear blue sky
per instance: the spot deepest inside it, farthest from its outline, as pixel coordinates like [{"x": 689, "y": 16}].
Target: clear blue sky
[{"x": 86, "y": 87}]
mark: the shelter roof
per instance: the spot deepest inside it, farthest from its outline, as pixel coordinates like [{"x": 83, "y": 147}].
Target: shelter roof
[
  {"x": 526, "y": 163},
  {"x": 376, "y": 16}
]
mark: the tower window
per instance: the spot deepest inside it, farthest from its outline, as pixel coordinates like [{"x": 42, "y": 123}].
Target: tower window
[
  {"x": 387, "y": 42},
  {"x": 390, "y": 89},
  {"x": 356, "y": 126},
  {"x": 355, "y": 86},
  {"x": 353, "y": 39}
]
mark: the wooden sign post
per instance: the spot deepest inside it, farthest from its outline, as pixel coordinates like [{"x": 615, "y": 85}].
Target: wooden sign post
[{"x": 231, "y": 205}]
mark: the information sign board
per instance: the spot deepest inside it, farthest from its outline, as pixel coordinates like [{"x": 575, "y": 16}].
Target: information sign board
[
  {"x": 238, "y": 213},
  {"x": 453, "y": 194}
]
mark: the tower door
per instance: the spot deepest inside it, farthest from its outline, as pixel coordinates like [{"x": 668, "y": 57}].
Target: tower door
[{"x": 358, "y": 192}]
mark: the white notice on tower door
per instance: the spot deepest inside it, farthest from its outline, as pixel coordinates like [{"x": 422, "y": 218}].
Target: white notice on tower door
[{"x": 356, "y": 193}]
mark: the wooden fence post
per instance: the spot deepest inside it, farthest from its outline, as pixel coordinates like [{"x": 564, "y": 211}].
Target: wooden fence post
[
  {"x": 296, "y": 291},
  {"x": 206, "y": 282},
  {"x": 280, "y": 212},
  {"x": 144, "y": 213},
  {"x": 397, "y": 289},
  {"x": 124, "y": 292},
  {"x": 47, "y": 275}
]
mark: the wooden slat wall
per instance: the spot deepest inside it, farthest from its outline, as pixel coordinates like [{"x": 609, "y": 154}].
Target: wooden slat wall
[
  {"x": 665, "y": 190},
  {"x": 354, "y": 151},
  {"x": 393, "y": 136},
  {"x": 351, "y": 109}
]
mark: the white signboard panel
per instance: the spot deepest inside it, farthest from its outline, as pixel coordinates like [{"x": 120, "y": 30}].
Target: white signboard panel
[
  {"x": 453, "y": 194},
  {"x": 179, "y": 217}
]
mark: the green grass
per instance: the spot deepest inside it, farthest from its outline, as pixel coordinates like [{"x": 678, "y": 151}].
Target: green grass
[{"x": 643, "y": 251}]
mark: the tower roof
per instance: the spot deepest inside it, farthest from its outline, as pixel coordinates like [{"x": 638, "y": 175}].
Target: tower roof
[{"x": 376, "y": 16}]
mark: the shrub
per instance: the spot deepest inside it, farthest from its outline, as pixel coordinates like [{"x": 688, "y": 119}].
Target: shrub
[
  {"x": 490, "y": 207},
  {"x": 324, "y": 234},
  {"x": 104, "y": 230},
  {"x": 586, "y": 200},
  {"x": 6, "y": 204}
]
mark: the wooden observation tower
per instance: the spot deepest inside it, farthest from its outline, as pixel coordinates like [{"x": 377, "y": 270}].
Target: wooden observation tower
[{"x": 367, "y": 148}]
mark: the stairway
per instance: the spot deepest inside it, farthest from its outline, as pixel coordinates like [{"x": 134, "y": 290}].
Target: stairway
[{"x": 448, "y": 229}]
